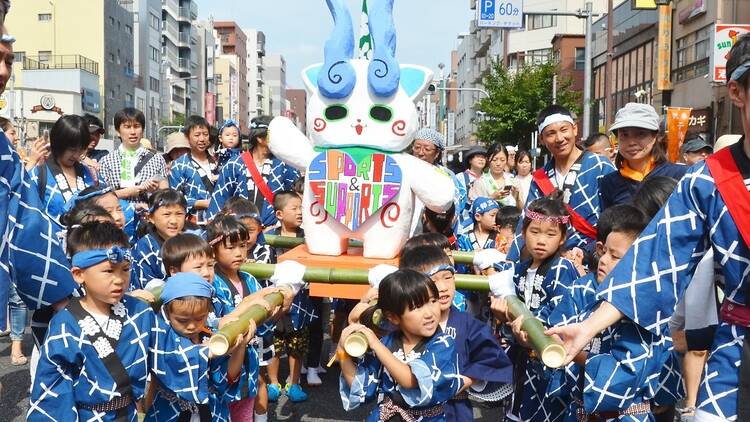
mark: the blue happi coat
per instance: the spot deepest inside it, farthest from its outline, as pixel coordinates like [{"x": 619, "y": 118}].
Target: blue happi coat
[
  {"x": 182, "y": 370},
  {"x": 650, "y": 278},
  {"x": 435, "y": 366},
  {"x": 224, "y": 301},
  {"x": 583, "y": 197},
  {"x": 31, "y": 254},
  {"x": 626, "y": 364},
  {"x": 147, "y": 262},
  {"x": 55, "y": 198},
  {"x": 480, "y": 358},
  {"x": 185, "y": 177},
  {"x": 464, "y": 219},
  {"x": 71, "y": 372},
  {"x": 235, "y": 180},
  {"x": 541, "y": 295}
]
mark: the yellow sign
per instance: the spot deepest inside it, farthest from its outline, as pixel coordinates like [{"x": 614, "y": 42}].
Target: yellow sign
[
  {"x": 643, "y": 4},
  {"x": 3, "y": 103},
  {"x": 664, "y": 49}
]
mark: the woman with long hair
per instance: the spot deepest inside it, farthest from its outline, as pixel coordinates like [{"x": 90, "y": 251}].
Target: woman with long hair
[{"x": 496, "y": 182}]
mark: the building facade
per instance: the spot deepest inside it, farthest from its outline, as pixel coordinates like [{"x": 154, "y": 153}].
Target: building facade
[
  {"x": 298, "y": 107},
  {"x": 234, "y": 42},
  {"x": 147, "y": 61},
  {"x": 256, "y": 50},
  {"x": 180, "y": 93},
  {"x": 44, "y": 37},
  {"x": 275, "y": 79},
  {"x": 226, "y": 78}
]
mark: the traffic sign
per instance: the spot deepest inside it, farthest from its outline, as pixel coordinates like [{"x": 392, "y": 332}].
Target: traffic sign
[{"x": 500, "y": 13}]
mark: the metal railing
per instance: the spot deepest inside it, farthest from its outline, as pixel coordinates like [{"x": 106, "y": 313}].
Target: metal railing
[{"x": 61, "y": 62}]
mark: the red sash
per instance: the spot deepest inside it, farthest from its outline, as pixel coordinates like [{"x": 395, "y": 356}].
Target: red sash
[
  {"x": 257, "y": 178},
  {"x": 579, "y": 223},
  {"x": 732, "y": 189}
]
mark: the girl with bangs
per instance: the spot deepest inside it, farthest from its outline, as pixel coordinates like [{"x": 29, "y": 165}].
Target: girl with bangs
[
  {"x": 415, "y": 368},
  {"x": 236, "y": 290}
]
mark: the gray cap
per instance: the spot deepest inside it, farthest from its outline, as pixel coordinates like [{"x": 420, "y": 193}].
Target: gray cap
[
  {"x": 636, "y": 115},
  {"x": 475, "y": 150},
  {"x": 695, "y": 143},
  {"x": 431, "y": 135}
]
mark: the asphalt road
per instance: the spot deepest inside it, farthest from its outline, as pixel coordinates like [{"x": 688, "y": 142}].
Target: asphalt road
[{"x": 324, "y": 403}]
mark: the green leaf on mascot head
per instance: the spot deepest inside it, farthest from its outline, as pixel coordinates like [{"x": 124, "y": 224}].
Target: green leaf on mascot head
[
  {"x": 310, "y": 77},
  {"x": 415, "y": 80}
]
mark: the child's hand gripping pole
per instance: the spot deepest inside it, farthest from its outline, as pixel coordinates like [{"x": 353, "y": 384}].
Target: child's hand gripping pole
[
  {"x": 548, "y": 348},
  {"x": 287, "y": 275}
]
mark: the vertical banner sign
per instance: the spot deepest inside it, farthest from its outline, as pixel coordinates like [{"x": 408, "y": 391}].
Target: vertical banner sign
[
  {"x": 724, "y": 38},
  {"x": 210, "y": 107},
  {"x": 500, "y": 14},
  {"x": 678, "y": 120},
  {"x": 664, "y": 49},
  {"x": 451, "y": 135}
]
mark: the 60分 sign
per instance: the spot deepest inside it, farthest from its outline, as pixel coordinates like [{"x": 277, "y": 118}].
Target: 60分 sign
[{"x": 500, "y": 14}]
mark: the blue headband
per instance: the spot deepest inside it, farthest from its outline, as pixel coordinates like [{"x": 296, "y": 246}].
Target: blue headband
[
  {"x": 184, "y": 285},
  {"x": 439, "y": 268},
  {"x": 76, "y": 198},
  {"x": 482, "y": 205},
  {"x": 91, "y": 257},
  {"x": 229, "y": 123},
  {"x": 739, "y": 71}
]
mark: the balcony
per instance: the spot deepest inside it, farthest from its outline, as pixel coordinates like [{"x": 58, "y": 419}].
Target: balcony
[
  {"x": 184, "y": 39},
  {"x": 61, "y": 62},
  {"x": 183, "y": 66}
]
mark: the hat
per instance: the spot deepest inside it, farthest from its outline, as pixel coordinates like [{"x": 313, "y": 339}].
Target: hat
[
  {"x": 96, "y": 129},
  {"x": 636, "y": 115},
  {"x": 475, "y": 150},
  {"x": 176, "y": 140},
  {"x": 694, "y": 144},
  {"x": 482, "y": 205},
  {"x": 431, "y": 135},
  {"x": 185, "y": 284},
  {"x": 145, "y": 143},
  {"x": 725, "y": 141}
]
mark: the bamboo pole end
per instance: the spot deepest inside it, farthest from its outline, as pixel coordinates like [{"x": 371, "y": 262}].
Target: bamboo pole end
[
  {"x": 553, "y": 355},
  {"x": 218, "y": 344},
  {"x": 356, "y": 345}
]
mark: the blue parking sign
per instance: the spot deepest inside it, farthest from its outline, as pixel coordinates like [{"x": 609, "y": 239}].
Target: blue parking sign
[{"x": 488, "y": 9}]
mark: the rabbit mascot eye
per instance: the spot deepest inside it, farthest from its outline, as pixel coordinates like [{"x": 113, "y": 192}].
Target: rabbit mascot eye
[{"x": 361, "y": 116}]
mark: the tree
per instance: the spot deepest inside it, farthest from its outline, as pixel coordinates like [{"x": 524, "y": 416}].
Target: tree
[{"x": 516, "y": 97}]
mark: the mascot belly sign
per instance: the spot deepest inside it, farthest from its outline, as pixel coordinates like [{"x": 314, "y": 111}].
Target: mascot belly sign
[{"x": 361, "y": 116}]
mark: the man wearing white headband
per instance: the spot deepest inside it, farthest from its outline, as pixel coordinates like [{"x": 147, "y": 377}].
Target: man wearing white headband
[
  {"x": 574, "y": 172},
  {"x": 709, "y": 209}
]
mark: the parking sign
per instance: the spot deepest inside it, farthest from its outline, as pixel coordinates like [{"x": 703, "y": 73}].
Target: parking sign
[{"x": 500, "y": 13}]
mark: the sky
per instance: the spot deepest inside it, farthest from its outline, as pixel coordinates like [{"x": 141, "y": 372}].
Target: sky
[{"x": 297, "y": 29}]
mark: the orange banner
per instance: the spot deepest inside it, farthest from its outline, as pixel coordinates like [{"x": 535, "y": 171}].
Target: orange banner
[
  {"x": 678, "y": 119},
  {"x": 664, "y": 49}
]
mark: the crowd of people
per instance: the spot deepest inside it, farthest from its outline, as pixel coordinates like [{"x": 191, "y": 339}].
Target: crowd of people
[{"x": 131, "y": 259}]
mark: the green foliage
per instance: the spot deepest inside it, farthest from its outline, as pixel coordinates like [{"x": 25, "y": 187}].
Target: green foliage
[
  {"x": 516, "y": 97},
  {"x": 178, "y": 120}
]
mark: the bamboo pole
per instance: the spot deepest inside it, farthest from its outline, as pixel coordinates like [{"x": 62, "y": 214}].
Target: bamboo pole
[
  {"x": 288, "y": 242},
  {"x": 550, "y": 350},
  {"x": 222, "y": 340}
]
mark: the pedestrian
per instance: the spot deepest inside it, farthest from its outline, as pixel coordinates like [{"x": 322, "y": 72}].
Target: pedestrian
[
  {"x": 62, "y": 176},
  {"x": 230, "y": 142},
  {"x": 496, "y": 182},
  {"x": 706, "y": 211},
  {"x": 523, "y": 176},
  {"x": 94, "y": 360},
  {"x": 599, "y": 143},
  {"x": 177, "y": 146},
  {"x": 573, "y": 172},
  {"x": 132, "y": 170},
  {"x": 255, "y": 175},
  {"x": 641, "y": 154},
  {"x": 96, "y": 131},
  {"x": 194, "y": 174},
  {"x": 475, "y": 160},
  {"x": 695, "y": 149},
  {"x": 419, "y": 389}
]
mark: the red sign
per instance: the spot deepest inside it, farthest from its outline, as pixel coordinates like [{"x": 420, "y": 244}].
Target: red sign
[
  {"x": 210, "y": 106},
  {"x": 724, "y": 38}
]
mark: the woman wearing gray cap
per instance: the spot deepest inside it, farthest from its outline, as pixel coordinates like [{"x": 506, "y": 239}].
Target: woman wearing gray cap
[{"x": 641, "y": 154}]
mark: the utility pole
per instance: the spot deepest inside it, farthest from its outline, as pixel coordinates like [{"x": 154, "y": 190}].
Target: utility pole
[
  {"x": 587, "y": 70},
  {"x": 608, "y": 78}
]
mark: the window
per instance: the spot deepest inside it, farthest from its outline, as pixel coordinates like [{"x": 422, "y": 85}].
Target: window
[
  {"x": 112, "y": 94},
  {"x": 129, "y": 29},
  {"x": 154, "y": 54},
  {"x": 154, "y": 84},
  {"x": 112, "y": 20},
  {"x": 111, "y": 58},
  {"x": 44, "y": 56},
  {"x": 580, "y": 58},
  {"x": 218, "y": 78},
  {"x": 19, "y": 56},
  {"x": 540, "y": 21},
  {"x": 155, "y": 22},
  {"x": 538, "y": 56},
  {"x": 692, "y": 55},
  {"x": 44, "y": 17}
]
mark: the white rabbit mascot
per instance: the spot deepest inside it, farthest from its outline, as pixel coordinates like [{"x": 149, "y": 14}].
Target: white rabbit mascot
[{"x": 361, "y": 116}]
